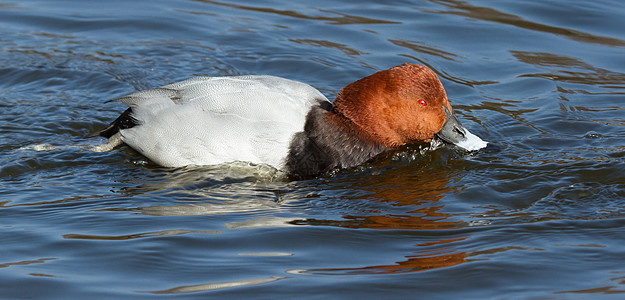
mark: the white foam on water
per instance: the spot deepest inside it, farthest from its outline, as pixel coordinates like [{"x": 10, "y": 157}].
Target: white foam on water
[{"x": 472, "y": 143}]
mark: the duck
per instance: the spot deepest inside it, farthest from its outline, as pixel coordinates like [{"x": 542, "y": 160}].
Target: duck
[{"x": 286, "y": 124}]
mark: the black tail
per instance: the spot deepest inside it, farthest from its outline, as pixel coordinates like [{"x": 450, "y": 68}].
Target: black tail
[{"x": 124, "y": 121}]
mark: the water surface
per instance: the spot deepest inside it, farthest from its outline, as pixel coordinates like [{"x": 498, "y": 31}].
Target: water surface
[{"x": 541, "y": 217}]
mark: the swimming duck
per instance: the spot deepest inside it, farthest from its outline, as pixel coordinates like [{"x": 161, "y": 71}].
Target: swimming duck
[{"x": 287, "y": 124}]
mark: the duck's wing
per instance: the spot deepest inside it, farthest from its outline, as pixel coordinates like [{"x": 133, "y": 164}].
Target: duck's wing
[
  {"x": 218, "y": 94},
  {"x": 126, "y": 119},
  {"x": 211, "y": 120}
]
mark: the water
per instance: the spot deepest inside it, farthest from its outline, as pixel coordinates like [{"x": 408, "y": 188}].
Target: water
[{"x": 540, "y": 217}]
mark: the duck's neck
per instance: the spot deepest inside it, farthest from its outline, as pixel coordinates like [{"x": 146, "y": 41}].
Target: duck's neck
[{"x": 329, "y": 141}]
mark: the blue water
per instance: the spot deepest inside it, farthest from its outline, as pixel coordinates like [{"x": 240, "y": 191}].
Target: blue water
[{"x": 541, "y": 217}]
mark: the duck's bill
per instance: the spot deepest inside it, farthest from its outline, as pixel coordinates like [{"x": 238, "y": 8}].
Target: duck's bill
[{"x": 453, "y": 132}]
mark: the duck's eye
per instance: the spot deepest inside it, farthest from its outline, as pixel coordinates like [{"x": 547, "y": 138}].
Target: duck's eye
[{"x": 422, "y": 102}]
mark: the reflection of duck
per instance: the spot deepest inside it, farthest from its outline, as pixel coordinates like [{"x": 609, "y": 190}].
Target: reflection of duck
[
  {"x": 411, "y": 191},
  {"x": 404, "y": 195},
  {"x": 413, "y": 263},
  {"x": 287, "y": 124},
  {"x": 413, "y": 198}
]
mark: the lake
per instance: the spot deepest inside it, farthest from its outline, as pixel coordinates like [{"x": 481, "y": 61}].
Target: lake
[{"x": 539, "y": 216}]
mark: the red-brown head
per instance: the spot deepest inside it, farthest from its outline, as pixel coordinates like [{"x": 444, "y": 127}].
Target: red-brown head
[{"x": 397, "y": 106}]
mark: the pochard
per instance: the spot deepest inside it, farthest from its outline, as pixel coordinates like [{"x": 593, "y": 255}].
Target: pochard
[{"x": 287, "y": 124}]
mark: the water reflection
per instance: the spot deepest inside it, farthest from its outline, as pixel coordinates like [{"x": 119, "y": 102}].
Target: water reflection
[
  {"x": 207, "y": 190},
  {"x": 616, "y": 286},
  {"x": 412, "y": 264},
  {"x": 409, "y": 185},
  {"x": 465, "y": 9},
  {"x": 594, "y": 76},
  {"x": 413, "y": 192},
  {"x": 339, "y": 19},
  {"x": 423, "y": 48},
  {"x": 196, "y": 179},
  {"x": 136, "y": 235},
  {"x": 434, "y": 256},
  {"x": 401, "y": 192},
  {"x": 215, "y": 286},
  {"x": 26, "y": 262}
]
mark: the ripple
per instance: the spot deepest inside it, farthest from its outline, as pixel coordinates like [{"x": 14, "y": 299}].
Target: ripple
[
  {"x": 216, "y": 286},
  {"x": 465, "y": 9},
  {"x": 136, "y": 235},
  {"x": 340, "y": 19},
  {"x": 26, "y": 262}
]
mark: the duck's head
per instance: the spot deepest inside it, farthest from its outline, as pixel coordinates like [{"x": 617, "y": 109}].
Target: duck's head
[{"x": 403, "y": 105}]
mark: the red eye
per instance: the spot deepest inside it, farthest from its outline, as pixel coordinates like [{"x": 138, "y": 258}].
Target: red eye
[{"x": 422, "y": 102}]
